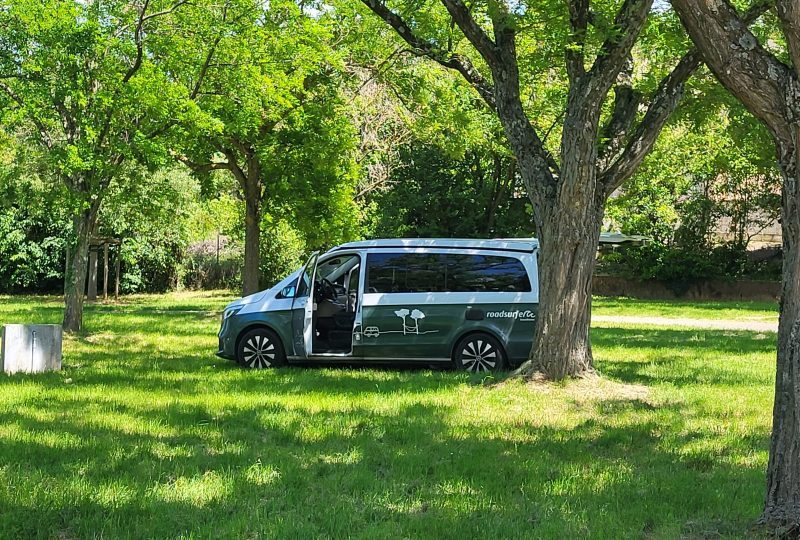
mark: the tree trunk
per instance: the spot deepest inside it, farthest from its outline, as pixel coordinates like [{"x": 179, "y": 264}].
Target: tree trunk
[
  {"x": 252, "y": 246},
  {"x": 75, "y": 278},
  {"x": 252, "y": 233},
  {"x": 569, "y": 232},
  {"x": 566, "y": 263},
  {"x": 782, "y": 501}
]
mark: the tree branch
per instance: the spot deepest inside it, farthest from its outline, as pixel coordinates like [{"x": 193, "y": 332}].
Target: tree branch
[
  {"x": 137, "y": 39},
  {"x": 175, "y": 6},
  {"x": 753, "y": 74},
  {"x": 47, "y": 138},
  {"x": 473, "y": 32},
  {"x": 204, "y": 68},
  {"x": 579, "y": 21},
  {"x": 617, "y": 48},
  {"x": 626, "y": 105},
  {"x": 789, "y": 15},
  {"x": 422, "y": 47},
  {"x": 203, "y": 168},
  {"x": 662, "y": 105}
]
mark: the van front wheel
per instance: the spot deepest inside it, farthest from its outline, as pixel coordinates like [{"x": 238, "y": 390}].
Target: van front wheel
[
  {"x": 260, "y": 348},
  {"x": 479, "y": 353}
]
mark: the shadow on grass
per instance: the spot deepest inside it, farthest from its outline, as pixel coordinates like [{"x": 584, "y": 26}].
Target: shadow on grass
[
  {"x": 282, "y": 470},
  {"x": 155, "y": 437}
]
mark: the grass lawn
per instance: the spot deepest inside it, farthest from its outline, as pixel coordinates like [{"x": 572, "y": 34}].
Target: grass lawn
[
  {"x": 686, "y": 309},
  {"x": 145, "y": 434}
]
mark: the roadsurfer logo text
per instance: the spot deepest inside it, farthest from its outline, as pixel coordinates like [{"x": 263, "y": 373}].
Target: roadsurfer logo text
[{"x": 526, "y": 315}]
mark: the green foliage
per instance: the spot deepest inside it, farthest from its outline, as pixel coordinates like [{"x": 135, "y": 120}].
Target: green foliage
[
  {"x": 270, "y": 113},
  {"x": 283, "y": 250},
  {"x": 311, "y": 175},
  {"x": 81, "y": 89},
  {"x": 214, "y": 257},
  {"x": 209, "y": 266},
  {"x": 31, "y": 252},
  {"x": 34, "y": 225},
  {"x": 715, "y": 164},
  {"x": 434, "y": 194}
]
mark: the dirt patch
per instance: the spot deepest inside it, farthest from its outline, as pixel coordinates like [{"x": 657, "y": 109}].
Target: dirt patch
[
  {"x": 588, "y": 388},
  {"x": 601, "y": 389}
]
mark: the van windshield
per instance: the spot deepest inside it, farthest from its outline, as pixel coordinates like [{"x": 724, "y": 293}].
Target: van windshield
[{"x": 333, "y": 269}]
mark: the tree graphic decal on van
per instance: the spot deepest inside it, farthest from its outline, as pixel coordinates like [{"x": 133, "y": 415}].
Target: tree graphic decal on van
[
  {"x": 403, "y": 313},
  {"x": 416, "y": 315},
  {"x": 408, "y": 329}
]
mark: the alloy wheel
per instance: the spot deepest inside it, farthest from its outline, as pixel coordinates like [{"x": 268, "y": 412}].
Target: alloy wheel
[
  {"x": 479, "y": 355},
  {"x": 258, "y": 352}
]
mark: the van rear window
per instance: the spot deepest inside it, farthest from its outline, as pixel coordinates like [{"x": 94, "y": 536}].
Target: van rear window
[{"x": 444, "y": 272}]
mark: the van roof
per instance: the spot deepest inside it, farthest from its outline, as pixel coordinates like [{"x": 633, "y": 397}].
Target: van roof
[{"x": 527, "y": 245}]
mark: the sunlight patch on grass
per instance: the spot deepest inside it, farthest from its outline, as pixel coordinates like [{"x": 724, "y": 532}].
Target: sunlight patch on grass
[
  {"x": 262, "y": 475},
  {"x": 198, "y": 490}
]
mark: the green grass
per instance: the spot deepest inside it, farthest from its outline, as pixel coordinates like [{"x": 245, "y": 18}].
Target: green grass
[
  {"x": 686, "y": 309},
  {"x": 145, "y": 434}
]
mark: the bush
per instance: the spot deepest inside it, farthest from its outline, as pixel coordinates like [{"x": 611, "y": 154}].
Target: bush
[
  {"x": 208, "y": 268},
  {"x": 150, "y": 265},
  {"x": 680, "y": 266},
  {"x": 31, "y": 253}
]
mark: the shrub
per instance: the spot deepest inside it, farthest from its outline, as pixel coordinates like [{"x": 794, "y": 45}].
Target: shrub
[{"x": 208, "y": 267}]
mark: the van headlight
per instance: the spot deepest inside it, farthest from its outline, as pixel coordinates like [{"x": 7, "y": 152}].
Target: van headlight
[{"x": 230, "y": 312}]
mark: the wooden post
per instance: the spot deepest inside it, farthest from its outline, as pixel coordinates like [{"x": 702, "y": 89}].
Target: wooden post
[
  {"x": 66, "y": 267},
  {"x": 116, "y": 272},
  {"x": 105, "y": 270},
  {"x": 92, "y": 292}
]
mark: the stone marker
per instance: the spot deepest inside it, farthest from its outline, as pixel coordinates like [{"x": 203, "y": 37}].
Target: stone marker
[{"x": 30, "y": 348}]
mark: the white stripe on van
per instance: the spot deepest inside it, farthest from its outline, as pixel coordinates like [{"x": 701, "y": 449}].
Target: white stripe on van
[{"x": 446, "y": 298}]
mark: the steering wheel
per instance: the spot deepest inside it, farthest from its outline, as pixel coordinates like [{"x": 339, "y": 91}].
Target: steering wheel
[{"x": 327, "y": 289}]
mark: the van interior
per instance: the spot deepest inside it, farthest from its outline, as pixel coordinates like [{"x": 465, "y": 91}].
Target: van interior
[{"x": 336, "y": 297}]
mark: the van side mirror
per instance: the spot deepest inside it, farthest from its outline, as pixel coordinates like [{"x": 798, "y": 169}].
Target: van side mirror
[{"x": 287, "y": 292}]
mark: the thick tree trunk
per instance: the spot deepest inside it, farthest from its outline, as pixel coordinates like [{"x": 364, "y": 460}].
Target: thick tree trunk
[
  {"x": 566, "y": 262},
  {"x": 569, "y": 232},
  {"x": 77, "y": 267},
  {"x": 782, "y": 501}
]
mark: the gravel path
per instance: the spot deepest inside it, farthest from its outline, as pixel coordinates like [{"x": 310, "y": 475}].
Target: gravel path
[{"x": 710, "y": 324}]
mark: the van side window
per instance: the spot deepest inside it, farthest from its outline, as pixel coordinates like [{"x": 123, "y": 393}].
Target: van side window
[
  {"x": 477, "y": 273},
  {"x": 429, "y": 272},
  {"x": 404, "y": 272}
]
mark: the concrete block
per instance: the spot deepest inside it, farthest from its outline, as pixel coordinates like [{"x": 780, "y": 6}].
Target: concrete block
[{"x": 30, "y": 348}]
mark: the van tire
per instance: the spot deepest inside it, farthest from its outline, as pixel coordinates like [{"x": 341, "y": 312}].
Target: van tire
[
  {"x": 479, "y": 353},
  {"x": 260, "y": 348}
]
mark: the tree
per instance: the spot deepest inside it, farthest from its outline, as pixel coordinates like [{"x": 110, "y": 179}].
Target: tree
[
  {"x": 270, "y": 114},
  {"x": 770, "y": 88},
  {"x": 709, "y": 185},
  {"x": 602, "y": 139},
  {"x": 79, "y": 77}
]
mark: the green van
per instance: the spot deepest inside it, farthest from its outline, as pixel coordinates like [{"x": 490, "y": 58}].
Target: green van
[{"x": 472, "y": 303}]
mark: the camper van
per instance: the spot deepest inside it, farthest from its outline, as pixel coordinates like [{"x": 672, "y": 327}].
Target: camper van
[{"x": 469, "y": 303}]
